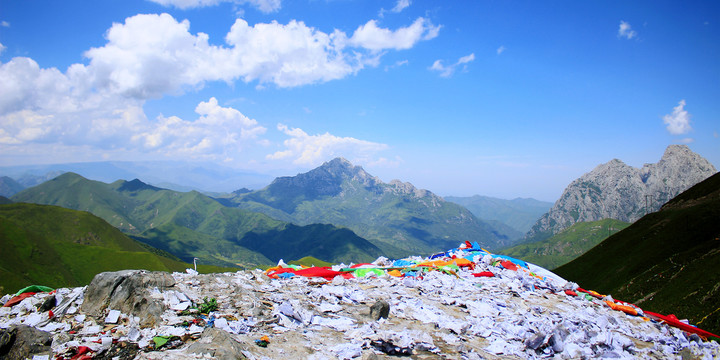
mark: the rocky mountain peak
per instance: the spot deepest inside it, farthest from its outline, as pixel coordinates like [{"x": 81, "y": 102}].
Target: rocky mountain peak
[
  {"x": 619, "y": 191},
  {"x": 340, "y": 169}
]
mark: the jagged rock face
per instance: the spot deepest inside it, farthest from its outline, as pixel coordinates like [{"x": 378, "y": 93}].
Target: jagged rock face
[
  {"x": 619, "y": 191},
  {"x": 327, "y": 179}
]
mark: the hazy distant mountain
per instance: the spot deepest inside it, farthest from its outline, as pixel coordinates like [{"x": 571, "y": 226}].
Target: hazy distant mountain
[
  {"x": 519, "y": 213},
  {"x": 566, "y": 245},
  {"x": 176, "y": 175},
  {"x": 666, "y": 262},
  {"x": 618, "y": 191},
  {"x": 191, "y": 224},
  {"x": 9, "y": 187},
  {"x": 395, "y": 216}
]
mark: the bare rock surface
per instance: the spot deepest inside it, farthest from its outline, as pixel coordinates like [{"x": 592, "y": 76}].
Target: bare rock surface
[
  {"x": 128, "y": 291},
  {"x": 618, "y": 191}
]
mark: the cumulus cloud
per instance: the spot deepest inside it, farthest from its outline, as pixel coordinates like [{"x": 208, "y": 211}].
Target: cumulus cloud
[
  {"x": 217, "y": 132},
  {"x": 266, "y": 6},
  {"x": 447, "y": 71},
  {"x": 4, "y": 23},
  {"x": 100, "y": 104},
  {"x": 626, "y": 31},
  {"x": 501, "y": 49},
  {"x": 304, "y": 149},
  {"x": 151, "y": 55},
  {"x": 678, "y": 122}
]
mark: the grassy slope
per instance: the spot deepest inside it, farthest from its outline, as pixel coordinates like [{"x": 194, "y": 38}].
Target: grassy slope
[
  {"x": 310, "y": 261},
  {"x": 56, "y": 247},
  {"x": 666, "y": 261},
  {"x": 567, "y": 245}
]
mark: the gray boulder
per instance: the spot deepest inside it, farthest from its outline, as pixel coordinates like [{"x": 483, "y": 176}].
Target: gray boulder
[
  {"x": 22, "y": 341},
  {"x": 129, "y": 292}
]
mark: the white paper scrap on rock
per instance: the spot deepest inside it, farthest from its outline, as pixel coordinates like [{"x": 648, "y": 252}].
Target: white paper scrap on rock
[{"x": 112, "y": 317}]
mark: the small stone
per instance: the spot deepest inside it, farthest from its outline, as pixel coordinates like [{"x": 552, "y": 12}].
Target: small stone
[
  {"x": 48, "y": 304},
  {"x": 535, "y": 341},
  {"x": 380, "y": 309}
]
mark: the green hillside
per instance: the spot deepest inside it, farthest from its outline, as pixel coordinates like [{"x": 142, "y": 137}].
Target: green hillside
[
  {"x": 567, "y": 245},
  {"x": 665, "y": 262},
  {"x": 58, "y": 247},
  {"x": 396, "y": 217},
  {"x": 190, "y": 225}
]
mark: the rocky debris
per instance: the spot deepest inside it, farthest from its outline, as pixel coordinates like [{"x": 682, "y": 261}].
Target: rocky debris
[
  {"x": 618, "y": 191},
  {"x": 219, "y": 344},
  {"x": 433, "y": 310}
]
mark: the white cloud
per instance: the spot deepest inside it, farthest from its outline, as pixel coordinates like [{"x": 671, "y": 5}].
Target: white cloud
[
  {"x": 447, "y": 71},
  {"x": 4, "y": 23},
  {"x": 304, "y": 149},
  {"x": 2, "y": 48},
  {"x": 401, "y": 5},
  {"x": 100, "y": 105},
  {"x": 152, "y": 55},
  {"x": 501, "y": 49},
  {"x": 679, "y": 121},
  {"x": 219, "y": 133},
  {"x": 266, "y": 6},
  {"x": 372, "y": 37},
  {"x": 626, "y": 31}
]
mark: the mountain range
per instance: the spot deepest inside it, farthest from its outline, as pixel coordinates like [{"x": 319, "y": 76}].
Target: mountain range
[
  {"x": 397, "y": 217},
  {"x": 192, "y": 225},
  {"x": 175, "y": 175},
  {"x": 666, "y": 261},
  {"x": 618, "y": 191}
]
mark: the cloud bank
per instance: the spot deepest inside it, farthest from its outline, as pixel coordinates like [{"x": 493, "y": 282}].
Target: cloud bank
[{"x": 100, "y": 104}]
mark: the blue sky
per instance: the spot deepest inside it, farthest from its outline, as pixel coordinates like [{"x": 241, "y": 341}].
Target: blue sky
[{"x": 499, "y": 98}]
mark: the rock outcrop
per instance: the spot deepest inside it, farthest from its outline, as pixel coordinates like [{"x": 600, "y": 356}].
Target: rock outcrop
[
  {"x": 618, "y": 191},
  {"x": 128, "y": 291}
]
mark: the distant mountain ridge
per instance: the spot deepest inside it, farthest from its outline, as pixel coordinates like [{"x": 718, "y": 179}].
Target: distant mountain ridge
[
  {"x": 191, "y": 224},
  {"x": 618, "y": 191},
  {"x": 518, "y": 213},
  {"x": 174, "y": 175},
  {"x": 396, "y": 216},
  {"x": 9, "y": 187}
]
